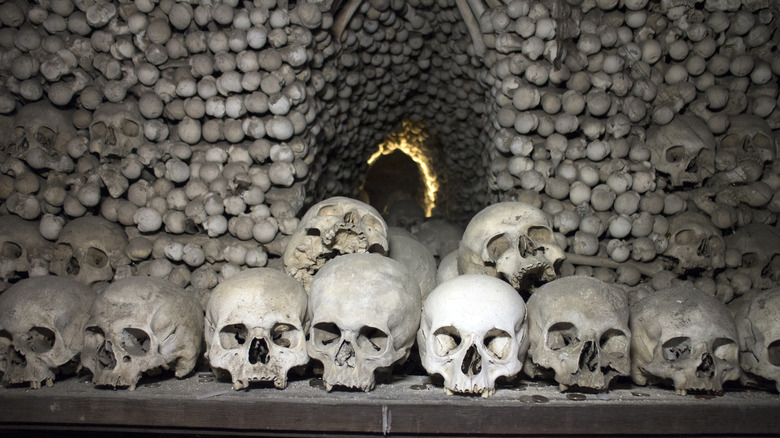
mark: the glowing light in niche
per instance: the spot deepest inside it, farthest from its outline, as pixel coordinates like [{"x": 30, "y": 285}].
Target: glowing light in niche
[{"x": 410, "y": 141}]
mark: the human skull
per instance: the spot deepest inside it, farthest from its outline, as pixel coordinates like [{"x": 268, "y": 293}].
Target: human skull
[
  {"x": 364, "y": 310},
  {"x": 755, "y": 315},
  {"x": 41, "y": 329},
  {"x": 439, "y": 236},
  {"x": 578, "y": 327},
  {"x": 683, "y": 149},
  {"x": 513, "y": 241},
  {"x": 759, "y": 245},
  {"x": 41, "y": 125},
  {"x": 20, "y": 243},
  {"x": 417, "y": 259},
  {"x": 743, "y": 151},
  {"x": 685, "y": 336},
  {"x": 255, "y": 327},
  {"x": 335, "y": 226},
  {"x": 84, "y": 249},
  {"x": 695, "y": 243},
  {"x": 473, "y": 331},
  {"x": 404, "y": 213},
  {"x": 116, "y": 129},
  {"x": 141, "y": 325}
]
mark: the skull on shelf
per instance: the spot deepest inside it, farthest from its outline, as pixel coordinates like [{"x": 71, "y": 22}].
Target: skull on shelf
[
  {"x": 335, "y": 226},
  {"x": 683, "y": 336},
  {"x": 759, "y": 245},
  {"x": 695, "y": 243},
  {"x": 755, "y": 314},
  {"x": 473, "y": 331},
  {"x": 84, "y": 249},
  {"x": 41, "y": 329},
  {"x": 117, "y": 129},
  {"x": 683, "y": 149},
  {"x": 578, "y": 328},
  {"x": 255, "y": 327},
  {"x": 364, "y": 311},
  {"x": 141, "y": 325},
  {"x": 513, "y": 241},
  {"x": 20, "y": 243}
]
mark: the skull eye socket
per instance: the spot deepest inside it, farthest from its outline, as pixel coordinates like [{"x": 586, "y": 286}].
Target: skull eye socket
[
  {"x": 773, "y": 353},
  {"x": 232, "y": 336},
  {"x": 135, "y": 341},
  {"x": 677, "y": 349},
  {"x": 130, "y": 128},
  {"x": 614, "y": 341},
  {"x": 98, "y": 129},
  {"x": 561, "y": 335},
  {"x": 750, "y": 260},
  {"x": 11, "y": 251},
  {"x": 497, "y": 245},
  {"x": 96, "y": 258},
  {"x": 686, "y": 237},
  {"x": 498, "y": 343},
  {"x": 675, "y": 154},
  {"x": 45, "y": 136},
  {"x": 371, "y": 340},
  {"x": 446, "y": 340},
  {"x": 325, "y": 333},
  {"x": 725, "y": 349},
  {"x": 541, "y": 235},
  {"x": 284, "y": 335},
  {"x": 40, "y": 339}
]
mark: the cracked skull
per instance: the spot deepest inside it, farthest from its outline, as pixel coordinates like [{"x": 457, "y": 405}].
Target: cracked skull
[
  {"x": 364, "y": 311},
  {"x": 755, "y": 314},
  {"x": 41, "y": 329},
  {"x": 473, "y": 331},
  {"x": 141, "y": 325},
  {"x": 684, "y": 337},
  {"x": 683, "y": 149},
  {"x": 578, "y": 328},
  {"x": 255, "y": 327},
  {"x": 513, "y": 241},
  {"x": 330, "y": 228},
  {"x": 695, "y": 243},
  {"x": 84, "y": 249},
  {"x": 116, "y": 129},
  {"x": 759, "y": 245}
]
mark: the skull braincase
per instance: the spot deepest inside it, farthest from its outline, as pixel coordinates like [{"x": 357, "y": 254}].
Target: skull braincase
[
  {"x": 41, "y": 125},
  {"x": 440, "y": 236},
  {"x": 335, "y": 226},
  {"x": 683, "y": 149},
  {"x": 20, "y": 243},
  {"x": 513, "y": 241},
  {"x": 759, "y": 245},
  {"x": 578, "y": 327},
  {"x": 84, "y": 248},
  {"x": 755, "y": 314},
  {"x": 116, "y": 129},
  {"x": 255, "y": 326},
  {"x": 473, "y": 331},
  {"x": 684, "y": 336},
  {"x": 695, "y": 243},
  {"x": 364, "y": 311},
  {"x": 417, "y": 259},
  {"x": 41, "y": 328},
  {"x": 141, "y": 324}
]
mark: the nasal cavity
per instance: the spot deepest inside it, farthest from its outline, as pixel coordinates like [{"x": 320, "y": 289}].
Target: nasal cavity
[
  {"x": 589, "y": 358},
  {"x": 346, "y": 355},
  {"x": 472, "y": 362},
  {"x": 258, "y": 352},
  {"x": 706, "y": 369},
  {"x": 105, "y": 356}
]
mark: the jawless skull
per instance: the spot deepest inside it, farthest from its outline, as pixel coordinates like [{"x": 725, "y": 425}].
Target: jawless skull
[
  {"x": 683, "y": 149},
  {"x": 695, "y": 243},
  {"x": 473, "y": 331},
  {"x": 578, "y": 328},
  {"x": 254, "y": 327},
  {"x": 41, "y": 329},
  {"x": 20, "y": 243},
  {"x": 415, "y": 257},
  {"x": 755, "y": 314},
  {"x": 759, "y": 246},
  {"x": 513, "y": 241},
  {"x": 364, "y": 311},
  {"x": 330, "y": 228},
  {"x": 85, "y": 247},
  {"x": 116, "y": 129},
  {"x": 684, "y": 337},
  {"x": 743, "y": 151},
  {"x": 40, "y": 125},
  {"x": 439, "y": 236},
  {"x": 141, "y": 325}
]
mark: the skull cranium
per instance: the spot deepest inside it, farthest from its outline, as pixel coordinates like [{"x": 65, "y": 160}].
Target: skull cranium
[
  {"x": 683, "y": 149},
  {"x": 755, "y": 314},
  {"x": 116, "y": 129},
  {"x": 84, "y": 248}
]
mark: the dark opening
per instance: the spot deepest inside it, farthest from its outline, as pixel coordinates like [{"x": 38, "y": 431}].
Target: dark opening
[{"x": 392, "y": 175}]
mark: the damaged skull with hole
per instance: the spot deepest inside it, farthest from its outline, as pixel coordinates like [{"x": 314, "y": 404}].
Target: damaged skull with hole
[
  {"x": 41, "y": 329},
  {"x": 331, "y": 228},
  {"x": 473, "y": 331},
  {"x": 364, "y": 311},
  {"x": 116, "y": 129},
  {"x": 759, "y": 247},
  {"x": 141, "y": 325},
  {"x": 683, "y": 337},
  {"x": 578, "y": 327},
  {"x": 513, "y": 241},
  {"x": 254, "y": 327},
  {"x": 85, "y": 247},
  {"x": 695, "y": 244},
  {"x": 683, "y": 150},
  {"x": 21, "y": 244},
  {"x": 755, "y": 315}
]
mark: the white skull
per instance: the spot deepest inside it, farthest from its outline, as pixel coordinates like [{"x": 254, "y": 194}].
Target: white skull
[
  {"x": 755, "y": 314},
  {"x": 440, "y": 236},
  {"x": 84, "y": 249},
  {"x": 513, "y": 241},
  {"x": 41, "y": 329},
  {"x": 41, "y": 125},
  {"x": 683, "y": 149},
  {"x": 255, "y": 327},
  {"x": 685, "y": 337},
  {"x": 330, "y": 228},
  {"x": 759, "y": 245},
  {"x": 578, "y": 328},
  {"x": 473, "y": 331},
  {"x": 141, "y": 325},
  {"x": 364, "y": 310},
  {"x": 417, "y": 259},
  {"x": 743, "y": 151},
  {"x": 695, "y": 243},
  {"x": 116, "y": 129},
  {"x": 20, "y": 243}
]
